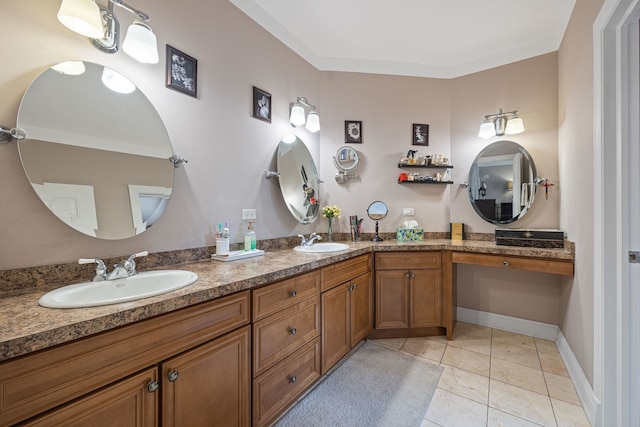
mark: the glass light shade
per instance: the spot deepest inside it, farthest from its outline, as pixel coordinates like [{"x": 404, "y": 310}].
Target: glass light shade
[
  {"x": 313, "y": 121},
  {"x": 116, "y": 81},
  {"x": 487, "y": 130},
  {"x": 515, "y": 125},
  {"x": 296, "y": 116},
  {"x": 70, "y": 68},
  {"x": 289, "y": 138},
  {"x": 82, "y": 17},
  {"x": 141, "y": 44}
]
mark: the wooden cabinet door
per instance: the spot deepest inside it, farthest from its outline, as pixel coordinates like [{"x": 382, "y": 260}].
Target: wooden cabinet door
[
  {"x": 361, "y": 307},
  {"x": 336, "y": 333},
  {"x": 392, "y": 299},
  {"x": 426, "y": 298},
  {"x": 127, "y": 403},
  {"x": 212, "y": 387}
]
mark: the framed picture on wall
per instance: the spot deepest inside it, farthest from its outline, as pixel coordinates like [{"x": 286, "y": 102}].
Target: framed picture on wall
[
  {"x": 182, "y": 72},
  {"x": 420, "y": 134},
  {"x": 261, "y": 105},
  {"x": 353, "y": 131}
]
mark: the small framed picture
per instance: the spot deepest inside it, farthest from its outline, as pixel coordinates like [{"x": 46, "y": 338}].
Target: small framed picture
[
  {"x": 261, "y": 105},
  {"x": 420, "y": 134},
  {"x": 353, "y": 132},
  {"x": 182, "y": 72}
]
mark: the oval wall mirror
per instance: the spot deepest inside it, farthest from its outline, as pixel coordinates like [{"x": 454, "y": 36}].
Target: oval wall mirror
[
  {"x": 299, "y": 182},
  {"x": 502, "y": 182},
  {"x": 96, "y": 151}
]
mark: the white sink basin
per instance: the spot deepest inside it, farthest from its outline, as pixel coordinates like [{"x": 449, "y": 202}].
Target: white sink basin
[
  {"x": 318, "y": 248},
  {"x": 142, "y": 285}
]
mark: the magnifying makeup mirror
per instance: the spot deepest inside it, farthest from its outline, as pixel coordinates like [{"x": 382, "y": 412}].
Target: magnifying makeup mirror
[{"x": 377, "y": 211}]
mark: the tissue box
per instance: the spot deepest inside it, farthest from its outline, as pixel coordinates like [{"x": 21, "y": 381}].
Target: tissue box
[
  {"x": 409, "y": 234},
  {"x": 548, "y": 239}
]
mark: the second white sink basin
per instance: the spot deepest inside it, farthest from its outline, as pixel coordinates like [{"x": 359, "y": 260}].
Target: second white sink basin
[
  {"x": 322, "y": 248},
  {"x": 142, "y": 285}
]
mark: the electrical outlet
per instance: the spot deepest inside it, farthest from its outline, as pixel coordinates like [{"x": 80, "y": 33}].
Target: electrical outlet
[
  {"x": 407, "y": 212},
  {"x": 248, "y": 214}
]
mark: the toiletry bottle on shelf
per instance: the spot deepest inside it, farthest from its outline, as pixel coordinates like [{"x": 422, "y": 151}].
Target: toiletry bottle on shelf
[{"x": 250, "y": 238}]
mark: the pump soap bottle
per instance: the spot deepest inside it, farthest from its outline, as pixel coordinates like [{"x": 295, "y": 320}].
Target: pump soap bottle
[{"x": 250, "y": 238}]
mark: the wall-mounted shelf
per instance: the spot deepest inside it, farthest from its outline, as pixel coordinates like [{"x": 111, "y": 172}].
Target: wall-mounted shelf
[
  {"x": 400, "y": 165},
  {"x": 425, "y": 182}
]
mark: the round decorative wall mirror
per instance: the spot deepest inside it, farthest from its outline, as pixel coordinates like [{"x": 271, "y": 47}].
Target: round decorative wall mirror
[
  {"x": 346, "y": 160},
  {"x": 502, "y": 182},
  {"x": 299, "y": 182},
  {"x": 377, "y": 211},
  {"x": 97, "y": 152}
]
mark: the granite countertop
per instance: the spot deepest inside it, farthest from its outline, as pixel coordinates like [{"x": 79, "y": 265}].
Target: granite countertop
[{"x": 27, "y": 327}]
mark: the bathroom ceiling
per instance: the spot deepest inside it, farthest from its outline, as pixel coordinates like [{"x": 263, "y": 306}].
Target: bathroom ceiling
[{"x": 427, "y": 38}]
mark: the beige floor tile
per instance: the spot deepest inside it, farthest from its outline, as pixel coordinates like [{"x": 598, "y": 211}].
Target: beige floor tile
[
  {"x": 471, "y": 342},
  {"x": 546, "y": 346},
  {"x": 471, "y": 329},
  {"x": 561, "y": 388},
  {"x": 450, "y": 410},
  {"x": 439, "y": 338},
  {"x": 518, "y": 375},
  {"x": 516, "y": 354},
  {"x": 521, "y": 403},
  {"x": 513, "y": 338},
  {"x": 423, "y": 347},
  {"x": 502, "y": 419},
  {"x": 467, "y": 360},
  {"x": 568, "y": 415},
  {"x": 396, "y": 343},
  {"x": 465, "y": 384},
  {"x": 553, "y": 363}
]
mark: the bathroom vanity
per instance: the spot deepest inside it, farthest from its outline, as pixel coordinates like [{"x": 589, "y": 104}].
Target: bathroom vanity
[{"x": 249, "y": 336}]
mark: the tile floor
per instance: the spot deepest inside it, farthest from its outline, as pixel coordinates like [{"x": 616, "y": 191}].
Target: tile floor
[{"x": 495, "y": 378}]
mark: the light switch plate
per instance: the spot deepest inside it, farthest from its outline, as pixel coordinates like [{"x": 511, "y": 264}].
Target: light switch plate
[{"x": 408, "y": 212}]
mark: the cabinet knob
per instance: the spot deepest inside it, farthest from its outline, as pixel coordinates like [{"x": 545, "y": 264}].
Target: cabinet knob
[
  {"x": 152, "y": 386},
  {"x": 293, "y": 331},
  {"x": 413, "y": 274},
  {"x": 293, "y": 379},
  {"x": 351, "y": 288},
  {"x": 407, "y": 275},
  {"x": 293, "y": 293},
  {"x": 172, "y": 375},
  {"x": 507, "y": 263}
]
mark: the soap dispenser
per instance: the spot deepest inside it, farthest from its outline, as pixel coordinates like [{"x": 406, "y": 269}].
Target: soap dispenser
[{"x": 250, "y": 238}]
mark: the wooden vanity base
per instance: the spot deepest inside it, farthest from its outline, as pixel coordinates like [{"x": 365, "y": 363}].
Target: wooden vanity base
[{"x": 406, "y": 333}]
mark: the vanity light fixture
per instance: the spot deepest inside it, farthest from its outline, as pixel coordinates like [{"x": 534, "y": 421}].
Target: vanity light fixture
[
  {"x": 297, "y": 112},
  {"x": 87, "y": 18},
  {"x": 500, "y": 124}
]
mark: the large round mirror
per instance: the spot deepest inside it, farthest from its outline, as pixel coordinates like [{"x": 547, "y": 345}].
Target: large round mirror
[
  {"x": 96, "y": 151},
  {"x": 299, "y": 182},
  {"x": 502, "y": 182}
]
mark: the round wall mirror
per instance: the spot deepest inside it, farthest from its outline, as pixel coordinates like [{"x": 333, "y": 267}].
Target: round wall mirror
[
  {"x": 96, "y": 151},
  {"x": 299, "y": 182},
  {"x": 377, "y": 211},
  {"x": 502, "y": 182},
  {"x": 346, "y": 159}
]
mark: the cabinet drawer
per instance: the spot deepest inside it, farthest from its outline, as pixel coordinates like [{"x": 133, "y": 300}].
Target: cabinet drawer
[
  {"x": 277, "y": 388},
  {"x": 338, "y": 273},
  {"x": 277, "y": 296},
  {"x": 34, "y": 383},
  {"x": 561, "y": 267},
  {"x": 409, "y": 260},
  {"x": 279, "y": 335}
]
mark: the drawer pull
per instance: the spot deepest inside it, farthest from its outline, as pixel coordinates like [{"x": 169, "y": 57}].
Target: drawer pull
[
  {"x": 172, "y": 375},
  {"x": 413, "y": 275},
  {"x": 507, "y": 263},
  {"x": 293, "y": 379},
  {"x": 407, "y": 275},
  {"x": 152, "y": 386},
  {"x": 293, "y": 331},
  {"x": 351, "y": 288},
  {"x": 293, "y": 293}
]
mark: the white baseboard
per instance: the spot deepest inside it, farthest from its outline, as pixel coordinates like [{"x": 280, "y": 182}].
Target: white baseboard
[{"x": 546, "y": 331}]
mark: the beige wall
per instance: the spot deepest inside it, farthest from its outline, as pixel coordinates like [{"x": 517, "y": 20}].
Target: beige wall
[
  {"x": 228, "y": 150},
  {"x": 575, "y": 151}
]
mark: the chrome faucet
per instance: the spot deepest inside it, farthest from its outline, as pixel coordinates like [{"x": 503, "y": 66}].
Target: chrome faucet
[
  {"x": 309, "y": 242},
  {"x": 125, "y": 268}
]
